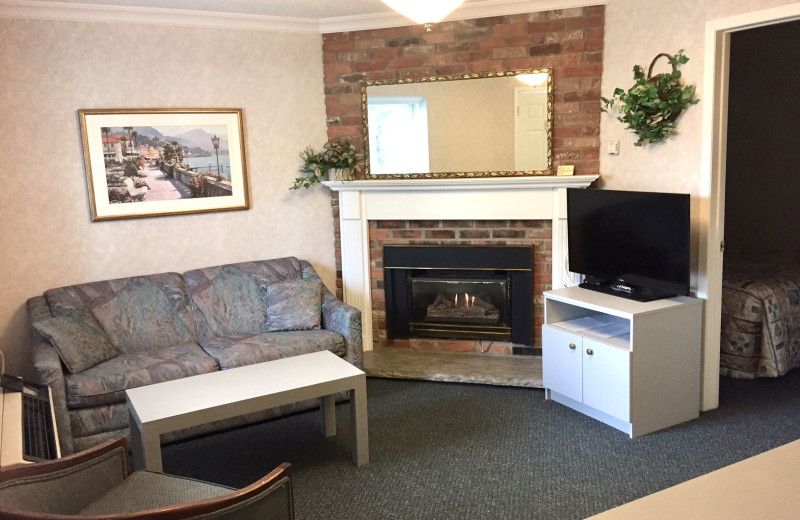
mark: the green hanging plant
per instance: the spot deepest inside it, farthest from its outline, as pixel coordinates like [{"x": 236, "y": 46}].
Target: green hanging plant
[{"x": 652, "y": 105}]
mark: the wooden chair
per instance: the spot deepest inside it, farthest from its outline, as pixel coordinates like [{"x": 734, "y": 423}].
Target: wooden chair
[{"x": 97, "y": 484}]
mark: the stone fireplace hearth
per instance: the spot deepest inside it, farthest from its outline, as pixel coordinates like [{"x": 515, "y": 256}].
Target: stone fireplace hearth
[{"x": 366, "y": 205}]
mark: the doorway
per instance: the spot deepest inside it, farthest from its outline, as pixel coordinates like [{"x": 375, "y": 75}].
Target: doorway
[{"x": 713, "y": 176}]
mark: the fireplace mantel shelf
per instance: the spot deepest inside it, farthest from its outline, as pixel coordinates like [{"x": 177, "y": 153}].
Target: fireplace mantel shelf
[
  {"x": 476, "y": 198},
  {"x": 471, "y": 183}
]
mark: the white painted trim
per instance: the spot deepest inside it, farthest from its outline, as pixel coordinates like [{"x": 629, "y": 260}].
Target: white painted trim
[
  {"x": 51, "y": 10},
  {"x": 43, "y": 10},
  {"x": 462, "y": 184},
  {"x": 712, "y": 178}
]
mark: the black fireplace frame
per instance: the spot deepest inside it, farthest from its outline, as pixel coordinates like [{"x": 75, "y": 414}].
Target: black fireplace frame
[{"x": 399, "y": 262}]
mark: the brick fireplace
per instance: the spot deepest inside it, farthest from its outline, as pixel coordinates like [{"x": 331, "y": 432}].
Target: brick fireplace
[
  {"x": 372, "y": 214},
  {"x": 512, "y": 211},
  {"x": 489, "y": 237}
]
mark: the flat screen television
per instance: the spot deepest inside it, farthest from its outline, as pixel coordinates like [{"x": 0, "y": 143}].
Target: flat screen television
[{"x": 632, "y": 244}]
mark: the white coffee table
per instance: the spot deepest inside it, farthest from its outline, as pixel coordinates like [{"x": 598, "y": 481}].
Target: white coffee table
[{"x": 192, "y": 401}]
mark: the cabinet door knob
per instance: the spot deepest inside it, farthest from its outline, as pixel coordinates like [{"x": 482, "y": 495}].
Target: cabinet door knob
[
  {"x": 590, "y": 351},
  {"x": 572, "y": 346}
]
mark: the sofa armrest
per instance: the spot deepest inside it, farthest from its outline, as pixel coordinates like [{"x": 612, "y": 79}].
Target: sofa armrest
[
  {"x": 50, "y": 372},
  {"x": 346, "y": 320},
  {"x": 340, "y": 317}
]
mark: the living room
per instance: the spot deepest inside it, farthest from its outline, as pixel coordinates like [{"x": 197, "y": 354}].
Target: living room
[{"x": 56, "y": 62}]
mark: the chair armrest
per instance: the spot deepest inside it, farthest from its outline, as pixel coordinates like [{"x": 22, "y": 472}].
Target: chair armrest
[
  {"x": 64, "y": 485},
  {"x": 340, "y": 317},
  {"x": 270, "y": 497},
  {"x": 50, "y": 372},
  {"x": 158, "y": 496}
]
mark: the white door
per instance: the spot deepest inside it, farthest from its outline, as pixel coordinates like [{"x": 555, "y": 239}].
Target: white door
[
  {"x": 606, "y": 379},
  {"x": 530, "y": 129},
  {"x": 561, "y": 362}
]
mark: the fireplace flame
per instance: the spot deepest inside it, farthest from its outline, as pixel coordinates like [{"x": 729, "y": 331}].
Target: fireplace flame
[{"x": 469, "y": 301}]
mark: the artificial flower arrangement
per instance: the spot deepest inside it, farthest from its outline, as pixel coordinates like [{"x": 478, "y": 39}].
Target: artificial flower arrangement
[
  {"x": 652, "y": 105},
  {"x": 334, "y": 156}
]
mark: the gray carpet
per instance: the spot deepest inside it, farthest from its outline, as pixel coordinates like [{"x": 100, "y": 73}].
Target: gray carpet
[{"x": 450, "y": 450}]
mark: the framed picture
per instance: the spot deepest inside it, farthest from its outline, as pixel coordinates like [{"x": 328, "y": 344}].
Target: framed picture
[{"x": 153, "y": 162}]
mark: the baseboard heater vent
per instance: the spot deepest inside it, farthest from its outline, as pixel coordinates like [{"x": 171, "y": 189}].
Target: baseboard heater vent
[{"x": 38, "y": 429}]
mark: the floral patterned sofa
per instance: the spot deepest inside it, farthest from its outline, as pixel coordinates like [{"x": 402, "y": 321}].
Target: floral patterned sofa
[{"x": 93, "y": 341}]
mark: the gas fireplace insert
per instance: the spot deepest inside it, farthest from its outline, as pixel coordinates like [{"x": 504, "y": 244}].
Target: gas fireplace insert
[{"x": 459, "y": 292}]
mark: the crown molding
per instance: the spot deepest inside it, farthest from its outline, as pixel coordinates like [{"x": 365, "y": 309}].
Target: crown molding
[
  {"x": 47, "y": 10},
  {"x": 43, "y": 10}
]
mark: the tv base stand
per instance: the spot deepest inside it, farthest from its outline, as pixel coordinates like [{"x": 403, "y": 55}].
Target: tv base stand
[{"x": 632, "y": 365}]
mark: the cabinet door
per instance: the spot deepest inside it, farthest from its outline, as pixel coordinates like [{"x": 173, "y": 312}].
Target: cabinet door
[
  {"x": 561, "y": 362},
  {"x": 606, "y": 378}
]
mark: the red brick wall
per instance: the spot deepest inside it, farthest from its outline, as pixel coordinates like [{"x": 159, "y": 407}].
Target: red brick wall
[
  {"x": 570, "y": 41},
  {"x": 536, "y": 233}
]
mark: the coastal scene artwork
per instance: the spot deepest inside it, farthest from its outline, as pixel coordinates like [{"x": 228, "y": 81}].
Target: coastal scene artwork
[{"x": 153, "y": 162}]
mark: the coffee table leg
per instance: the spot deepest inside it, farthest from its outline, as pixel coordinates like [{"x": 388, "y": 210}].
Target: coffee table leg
[
  {"x": 145, "y": 447},
  {"x": 358, "y": 422},
  {"x": 137, "y": 455},
  {"x": 327, "y": 406}
]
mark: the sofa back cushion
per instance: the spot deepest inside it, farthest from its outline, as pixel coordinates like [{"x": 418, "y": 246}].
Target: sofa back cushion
[
  {"x": 231, "y": 299},
  {"x": 294, "y": 305},
  {"x": 138, "y": 314},
  {"x": 80, "y": 341}
]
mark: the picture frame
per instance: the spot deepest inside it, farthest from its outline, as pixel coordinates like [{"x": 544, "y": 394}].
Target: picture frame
[{"x": 164, "y": 161}]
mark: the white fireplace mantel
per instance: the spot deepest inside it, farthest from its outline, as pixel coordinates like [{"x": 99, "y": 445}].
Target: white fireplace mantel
[{"x": 480, "y": 198}]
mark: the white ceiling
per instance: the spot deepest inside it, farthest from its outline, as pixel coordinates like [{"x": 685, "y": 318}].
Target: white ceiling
[{"x": 320, "y": 16}]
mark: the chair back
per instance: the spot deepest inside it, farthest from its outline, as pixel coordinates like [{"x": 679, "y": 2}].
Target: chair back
[{"x": 96, "y": 484}]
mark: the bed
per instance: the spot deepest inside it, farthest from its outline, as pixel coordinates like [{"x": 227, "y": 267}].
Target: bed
[{"x": 760, "y": 315}]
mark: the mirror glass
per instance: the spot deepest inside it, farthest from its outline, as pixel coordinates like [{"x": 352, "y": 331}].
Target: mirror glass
[{"x": 494, "y": 124}]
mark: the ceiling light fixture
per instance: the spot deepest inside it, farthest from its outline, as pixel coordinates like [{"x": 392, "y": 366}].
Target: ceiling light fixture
[{"x": 425, "y": 12}]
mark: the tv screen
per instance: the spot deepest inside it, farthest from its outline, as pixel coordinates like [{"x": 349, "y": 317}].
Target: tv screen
[{"x": 631, "y": 243}]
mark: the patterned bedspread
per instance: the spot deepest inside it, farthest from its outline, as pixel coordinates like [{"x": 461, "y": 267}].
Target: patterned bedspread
[{"x": 760, "y": 316}]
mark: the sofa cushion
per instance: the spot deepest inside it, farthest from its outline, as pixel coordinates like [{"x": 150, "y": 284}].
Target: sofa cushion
[
  {"x": 93, "y": 420},
  {"x": 78, "y": 339},
  {"x": 237, "y": 351},
  {"x": 138, "y": 314},
  {"x": 294, "y": 305},
  {"x": 230, "y": 299},
  {"x": 224, "y": 298},
  {"x": 106, "y": 383}
]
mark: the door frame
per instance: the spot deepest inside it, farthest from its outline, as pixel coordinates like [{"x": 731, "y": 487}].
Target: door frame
[{"x": 712, "y": 178}]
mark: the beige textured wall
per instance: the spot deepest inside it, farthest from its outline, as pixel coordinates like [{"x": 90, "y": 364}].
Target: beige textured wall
[
  {"x": 50, "y": 69},
  {"x": 636, "y": 31}
]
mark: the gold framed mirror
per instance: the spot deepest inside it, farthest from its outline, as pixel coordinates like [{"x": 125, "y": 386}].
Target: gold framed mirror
[{"x": 496, "y": 124}]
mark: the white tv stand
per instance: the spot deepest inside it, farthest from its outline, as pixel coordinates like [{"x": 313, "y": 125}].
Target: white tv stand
[{"x": 632, "y": 365}]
